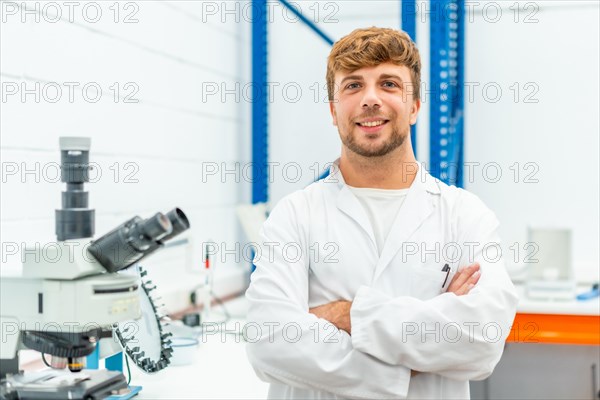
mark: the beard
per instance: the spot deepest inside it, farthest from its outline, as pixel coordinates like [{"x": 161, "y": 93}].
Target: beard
[{"x": 352, "y": 139}]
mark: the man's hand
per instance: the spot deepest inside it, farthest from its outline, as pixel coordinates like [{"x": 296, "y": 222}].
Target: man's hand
[
  {"x": 336, "y": 312},
  {"x": 465, "y": 279}
]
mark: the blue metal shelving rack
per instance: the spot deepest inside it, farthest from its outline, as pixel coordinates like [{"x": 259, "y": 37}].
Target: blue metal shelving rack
[
  {"x": 447, "y": 86},
  {"x": 447, "y": 81}
]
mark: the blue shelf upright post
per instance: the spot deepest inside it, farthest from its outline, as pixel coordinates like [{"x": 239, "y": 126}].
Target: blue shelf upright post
[
  {"x": 260, "y": 106},
  {"x": 260, "y": 178},
  {"x": 460, "y": 98},
  {"x": 447, "y": 84},
  {"x": 408, "y": 16}
]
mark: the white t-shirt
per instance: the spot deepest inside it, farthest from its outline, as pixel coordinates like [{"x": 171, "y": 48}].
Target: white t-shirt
[{"x": 382, "y": 206}]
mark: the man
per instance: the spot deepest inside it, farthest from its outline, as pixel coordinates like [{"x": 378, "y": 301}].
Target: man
[{"x": 378, "y": 282}]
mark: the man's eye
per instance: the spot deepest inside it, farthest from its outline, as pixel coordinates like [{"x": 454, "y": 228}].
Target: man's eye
[
  {"x": 352, "y": 85},
  {"x": 390, "y": 84}
]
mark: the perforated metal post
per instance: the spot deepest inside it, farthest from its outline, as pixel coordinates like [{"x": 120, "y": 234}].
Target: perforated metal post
[
  {"x": 408, "y": 16},
  {"x": 260, "y": 111},
  {"x": 447, "y": 98}
]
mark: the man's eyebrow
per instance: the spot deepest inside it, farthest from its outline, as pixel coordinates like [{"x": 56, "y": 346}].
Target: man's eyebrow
[
  {"x": 388, "y": 76},
  {"x": 352, "y": 77}
]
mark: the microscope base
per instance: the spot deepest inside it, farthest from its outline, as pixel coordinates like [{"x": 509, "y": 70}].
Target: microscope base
[{"x": 62, "y": 384}]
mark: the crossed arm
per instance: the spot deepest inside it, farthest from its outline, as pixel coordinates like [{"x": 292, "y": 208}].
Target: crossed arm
[{"x": 338, "y": 312}]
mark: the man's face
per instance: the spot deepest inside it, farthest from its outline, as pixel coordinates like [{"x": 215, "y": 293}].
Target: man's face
[{"x": 373, "y": 108}]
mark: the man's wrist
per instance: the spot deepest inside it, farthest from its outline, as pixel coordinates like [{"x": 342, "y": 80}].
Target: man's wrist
[{"x": 343, "y": 317}]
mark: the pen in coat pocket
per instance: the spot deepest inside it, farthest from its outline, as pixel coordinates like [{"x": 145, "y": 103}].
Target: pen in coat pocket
[{"x": 446, "y": 269}]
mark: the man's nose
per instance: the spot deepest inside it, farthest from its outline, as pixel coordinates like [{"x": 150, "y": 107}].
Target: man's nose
[{"x": 371, "y": 98}]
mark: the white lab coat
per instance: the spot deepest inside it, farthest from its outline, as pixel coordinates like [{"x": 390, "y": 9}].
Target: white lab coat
[{"x": 318, "y": 247}]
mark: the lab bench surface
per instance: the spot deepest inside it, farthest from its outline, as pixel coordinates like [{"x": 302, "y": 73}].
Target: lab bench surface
[
  {"x": 556, "y": 322},
  {"x": 220, "y": 369}
]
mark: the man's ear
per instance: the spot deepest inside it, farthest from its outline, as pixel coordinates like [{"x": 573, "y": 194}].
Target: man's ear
[
  {"x": 333, "y": 113},
  {"x": 415, "y": 111}
]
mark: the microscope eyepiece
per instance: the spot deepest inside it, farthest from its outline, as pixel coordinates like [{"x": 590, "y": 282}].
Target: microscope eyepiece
[
  {"x": 179, "y": 222},
  {"x": 156, "y": 227},
  {"x": 137, "y": 238},
  {"x": 74, "y": 220}
]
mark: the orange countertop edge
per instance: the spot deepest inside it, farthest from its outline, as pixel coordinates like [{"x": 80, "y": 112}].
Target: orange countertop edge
[{"x": 555, "y": 329}]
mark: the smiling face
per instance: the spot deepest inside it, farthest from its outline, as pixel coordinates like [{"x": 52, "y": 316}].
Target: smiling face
[{"x": 373, "y": 108}]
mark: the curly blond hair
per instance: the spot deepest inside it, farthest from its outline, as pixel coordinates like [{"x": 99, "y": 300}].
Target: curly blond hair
[{"x": 369, "y": 47}]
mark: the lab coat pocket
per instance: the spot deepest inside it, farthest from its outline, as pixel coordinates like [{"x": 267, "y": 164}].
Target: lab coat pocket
[{"x": 426, "y": 283}]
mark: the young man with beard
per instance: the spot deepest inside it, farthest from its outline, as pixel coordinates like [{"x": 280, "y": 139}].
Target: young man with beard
[{"x": 391, "y": 293}]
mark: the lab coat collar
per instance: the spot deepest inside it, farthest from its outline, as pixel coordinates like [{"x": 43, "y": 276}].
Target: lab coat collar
[
  {"x": 418, "y": 206},
  {"x": 423, "y": 179}
]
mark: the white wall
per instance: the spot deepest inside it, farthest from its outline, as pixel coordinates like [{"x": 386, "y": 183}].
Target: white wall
[
  {"x": 167, "y": 53},
  {"x": 558, "y": 133}
]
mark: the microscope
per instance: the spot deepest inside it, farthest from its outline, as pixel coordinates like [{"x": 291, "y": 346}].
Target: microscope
[{"x": 70, "y": 295}]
